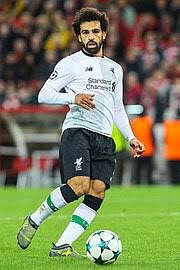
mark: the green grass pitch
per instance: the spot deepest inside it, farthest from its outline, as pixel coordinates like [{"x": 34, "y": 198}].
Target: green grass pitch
[{"x": 147, "y": 220}]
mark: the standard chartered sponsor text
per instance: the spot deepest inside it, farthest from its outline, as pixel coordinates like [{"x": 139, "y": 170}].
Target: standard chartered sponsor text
[{"x": 98, "y": 84}]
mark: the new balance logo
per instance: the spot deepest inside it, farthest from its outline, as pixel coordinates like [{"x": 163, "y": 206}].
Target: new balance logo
[
  {"x": 78, "y": 164},
  {"x": 89, "y": 69}
]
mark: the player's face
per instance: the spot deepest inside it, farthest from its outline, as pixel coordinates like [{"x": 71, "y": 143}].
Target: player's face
[{"x": 91, "y": 36}]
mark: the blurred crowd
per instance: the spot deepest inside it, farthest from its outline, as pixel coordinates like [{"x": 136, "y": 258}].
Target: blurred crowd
[{"x": 143, "y": 37}]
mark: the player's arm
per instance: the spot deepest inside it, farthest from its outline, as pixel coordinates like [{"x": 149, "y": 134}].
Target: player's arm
[
  {"x": 51, "y": 92},
  {"x": 49, "y": 95},
  {"x": 122, "y": 121}
]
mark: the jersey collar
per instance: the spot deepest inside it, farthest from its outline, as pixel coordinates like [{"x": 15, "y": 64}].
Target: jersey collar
[{"x": 91, "y": 55}]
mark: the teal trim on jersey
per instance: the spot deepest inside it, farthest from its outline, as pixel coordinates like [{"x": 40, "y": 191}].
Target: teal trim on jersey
[
  {"x": 51, "y": 204},
  {"x": 77, "y": 219}
]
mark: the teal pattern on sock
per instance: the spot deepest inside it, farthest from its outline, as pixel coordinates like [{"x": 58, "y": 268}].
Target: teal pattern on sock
[
  {"x": 51, "y": 204},
  {"x": 77, "y": 219}
]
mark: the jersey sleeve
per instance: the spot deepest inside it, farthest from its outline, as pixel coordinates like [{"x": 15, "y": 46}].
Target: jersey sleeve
[
  {"x": 61, "y": 76},
  {"x": 120, "y": 115}
]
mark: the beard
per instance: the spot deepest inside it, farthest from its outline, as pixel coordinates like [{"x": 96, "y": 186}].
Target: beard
[{"x": 94, "y": 50}]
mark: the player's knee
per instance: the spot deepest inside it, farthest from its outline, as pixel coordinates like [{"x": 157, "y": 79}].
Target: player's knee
[
  {"x": 97, "y": 188},
  {"x": 79, "y": 184}
]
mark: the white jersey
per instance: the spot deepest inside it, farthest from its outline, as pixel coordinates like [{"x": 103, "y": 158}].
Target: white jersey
[{"x": 101, "y": 76}]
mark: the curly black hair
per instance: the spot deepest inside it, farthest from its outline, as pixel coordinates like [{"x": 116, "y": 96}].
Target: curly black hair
[{"x": 89, "y": 14}]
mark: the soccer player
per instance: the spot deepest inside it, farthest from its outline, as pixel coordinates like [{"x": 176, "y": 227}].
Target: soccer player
[{"x": 93, "y": 91}]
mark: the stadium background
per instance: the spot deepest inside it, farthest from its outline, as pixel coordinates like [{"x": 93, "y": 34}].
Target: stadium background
[{"x": 34, "y": 35}]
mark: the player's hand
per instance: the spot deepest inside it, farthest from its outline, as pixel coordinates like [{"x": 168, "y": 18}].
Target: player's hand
[
  {"x": 85, "y": 101},
  {"x": 137, "y": 146}
]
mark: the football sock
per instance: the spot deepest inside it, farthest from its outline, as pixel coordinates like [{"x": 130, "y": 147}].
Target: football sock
[
  {"x": 54, "y": 202},
  {"x": 81, "y": 218}
]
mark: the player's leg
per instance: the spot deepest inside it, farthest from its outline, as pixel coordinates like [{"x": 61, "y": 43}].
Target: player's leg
[
  {"x": 102, "y": 166},
  {"x": 57, "y": 199},
  {"x": 81, "y": 218},
  {"x": 84, "y": 213}
]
